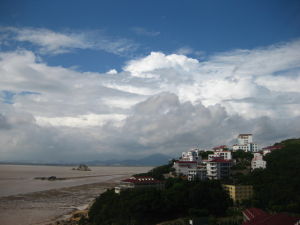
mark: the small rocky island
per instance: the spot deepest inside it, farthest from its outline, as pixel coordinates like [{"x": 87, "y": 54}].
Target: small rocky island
[{"x": 82, "y": 167}]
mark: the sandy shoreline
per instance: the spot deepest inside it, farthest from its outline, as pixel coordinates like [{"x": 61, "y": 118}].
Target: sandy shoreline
[{"x": 44, "y": 207}]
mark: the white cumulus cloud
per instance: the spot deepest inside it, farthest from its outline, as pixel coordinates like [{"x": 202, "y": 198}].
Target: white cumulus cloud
[{"x": 157, "y": 103}]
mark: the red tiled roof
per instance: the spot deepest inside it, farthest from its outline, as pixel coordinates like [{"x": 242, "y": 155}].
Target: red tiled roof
[
  {"x": 277, "y": 219},
  {"x": 273, "y": 147},
  {"x": 259, "y": 217},
  {"x": 253, "y": 212}
]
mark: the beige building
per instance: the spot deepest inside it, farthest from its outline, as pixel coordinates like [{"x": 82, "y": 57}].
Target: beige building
[{"x": 239, "y": 192}]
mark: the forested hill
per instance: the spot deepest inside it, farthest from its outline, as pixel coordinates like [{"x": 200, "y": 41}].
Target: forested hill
[{"x": 277, "y": 187}]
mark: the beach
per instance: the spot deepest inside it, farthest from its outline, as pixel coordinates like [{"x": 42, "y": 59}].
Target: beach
[{"x": 27, "y": 201}]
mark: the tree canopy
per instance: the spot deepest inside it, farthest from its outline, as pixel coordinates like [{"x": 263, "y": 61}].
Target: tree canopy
[{"x": 150, "y": 206}]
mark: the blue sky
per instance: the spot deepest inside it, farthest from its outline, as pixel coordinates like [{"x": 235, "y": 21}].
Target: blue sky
[
  {"x": 82, "y": 80},
  {"x": 204, "y": 26}
]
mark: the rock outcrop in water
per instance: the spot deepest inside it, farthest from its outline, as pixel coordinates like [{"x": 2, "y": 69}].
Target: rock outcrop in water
[{"x": 82, "y": 167}]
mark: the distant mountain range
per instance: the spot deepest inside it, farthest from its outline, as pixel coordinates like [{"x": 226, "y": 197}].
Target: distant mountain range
[{"x": 151, "y": 160}]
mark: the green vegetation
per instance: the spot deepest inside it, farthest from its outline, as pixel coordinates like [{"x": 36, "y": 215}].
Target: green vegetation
[
  {"x": 158, "y": 172},
  {"x": 241, "y": 155},
  {"x": 204, "y": 155},
  {"x": 150, "y": 206},
  {"x": 243, "y": 160},
  {"x": 276, "y": 188}
]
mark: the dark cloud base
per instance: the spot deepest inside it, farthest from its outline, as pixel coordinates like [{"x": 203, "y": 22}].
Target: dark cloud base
[{"x": 160, "y": 124}]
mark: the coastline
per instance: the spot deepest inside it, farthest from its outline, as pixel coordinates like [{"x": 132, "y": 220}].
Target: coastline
[{"x": 48, "y": 207}]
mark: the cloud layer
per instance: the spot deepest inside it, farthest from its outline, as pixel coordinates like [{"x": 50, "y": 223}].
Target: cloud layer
[
  {"x": 157, "y": 103},
  {"x": 51, "y": 42}
]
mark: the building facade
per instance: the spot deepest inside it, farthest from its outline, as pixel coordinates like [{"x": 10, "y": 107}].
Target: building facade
[
  {"x": 245, "y": 143},
  {"x": 220, "y": 154},
  {"x": 251, "y": 147},
  {"x": 239, "y": 193},
  {"x": 244, "y": 139},
  {"x": 218, "y": 168},
  {"x": 198, "y": 173},
  {"x": 258, "y": 162},
  {"x": 191, "y": 155},
  {"x": 182, "y": 167}
]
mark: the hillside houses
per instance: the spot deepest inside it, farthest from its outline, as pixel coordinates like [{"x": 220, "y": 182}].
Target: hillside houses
[
  {"x": 218, "y": 164},
  {"x": 216, "y": 167}
]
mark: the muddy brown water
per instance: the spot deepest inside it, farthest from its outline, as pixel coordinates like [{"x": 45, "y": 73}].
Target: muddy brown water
[{"x": 28, "y": 201}]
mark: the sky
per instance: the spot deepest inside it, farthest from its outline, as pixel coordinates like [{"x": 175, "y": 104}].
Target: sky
[{"x": 86, "y": 80}]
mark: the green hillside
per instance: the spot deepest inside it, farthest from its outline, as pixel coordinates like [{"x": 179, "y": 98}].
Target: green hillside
[{"x": 277, "y": 188}]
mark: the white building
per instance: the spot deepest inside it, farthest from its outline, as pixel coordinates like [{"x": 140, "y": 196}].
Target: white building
[
  {"x": 221, "y": 154},
  {"x": 198, "y": 173},
  {"x": 218, "y": 168},
  {"x": 244, "y": 139},
  {"x": 251, "y": 147},
  {"x": 191, "y": 155},
  {"x": 258, "y": 162},
  {"x": 193, "y": 167},
  {"x": 182, "y": 167},
  {"x": 245, "y": 143}
]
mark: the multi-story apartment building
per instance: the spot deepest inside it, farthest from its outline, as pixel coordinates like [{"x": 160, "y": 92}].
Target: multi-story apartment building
[
  {"x": 193, "y": 167},
  {"x": 198, "y": 173},
  {"x": 245, "y": 143},
  {"x": 258, "y": 162},
  {"x": 221, "y": 154},
  {"x": 244, "y": 139},
  {"x": 182, "y": 167},
  {"x": 239, "y": 193},
  {"x": 191, "y": 155},
  {"x": 218, "y": 168}
]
